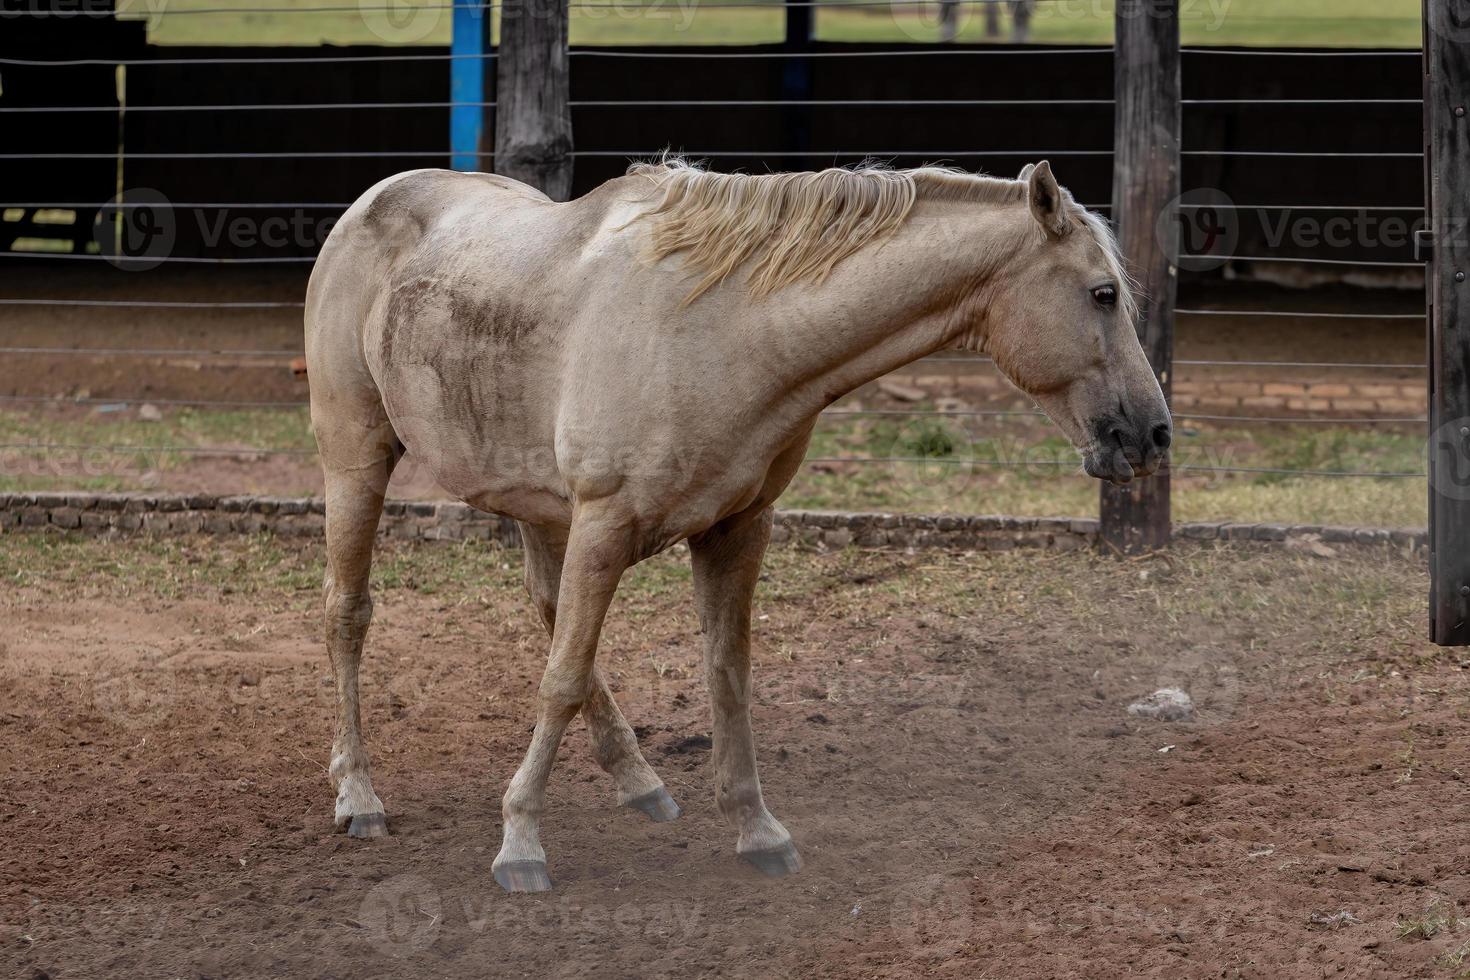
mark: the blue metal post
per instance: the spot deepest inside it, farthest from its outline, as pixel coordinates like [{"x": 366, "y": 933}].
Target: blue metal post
[{"x": 467, "y": 70}]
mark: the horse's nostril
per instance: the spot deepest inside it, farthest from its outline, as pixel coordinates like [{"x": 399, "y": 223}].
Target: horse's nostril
[{"x": 1162, "y": 435}]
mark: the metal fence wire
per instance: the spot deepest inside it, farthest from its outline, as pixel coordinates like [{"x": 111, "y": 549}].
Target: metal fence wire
[{"x": 16, "y": 353}]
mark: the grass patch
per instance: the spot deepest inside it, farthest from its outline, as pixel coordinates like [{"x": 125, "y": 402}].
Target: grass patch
[
  {"x": 1307, "y": 23},
  {"x": 1456, "y": 960},
  {"x": 169, "y": 567},
  {"x": 1435, "y": 919},
  {"x": 1019, "y": 466},
  {"x": 1026, "y": 467},
  {"x": 127, "y": 449}
]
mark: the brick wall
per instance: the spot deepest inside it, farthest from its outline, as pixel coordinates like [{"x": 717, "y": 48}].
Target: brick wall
[
  {"x": 1214, "y": 393},
  {"x": 1341, "y": 398}
]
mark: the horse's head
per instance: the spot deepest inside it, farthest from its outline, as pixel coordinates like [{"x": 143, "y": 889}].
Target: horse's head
[{"x": 1061, "y": 328}]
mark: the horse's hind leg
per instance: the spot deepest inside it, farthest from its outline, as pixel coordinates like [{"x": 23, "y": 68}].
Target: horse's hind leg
[
  {"x": 727, "y": 561},
  {"x": 357, "y": 463},
  {"x": 597, "y": 554},
  {"x": 613, "y": 743}
]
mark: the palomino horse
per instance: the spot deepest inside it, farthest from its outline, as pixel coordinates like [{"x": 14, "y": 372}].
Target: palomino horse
[
  {"x": 1021, "y": 11},
  {"x": 643, "y": 366}
]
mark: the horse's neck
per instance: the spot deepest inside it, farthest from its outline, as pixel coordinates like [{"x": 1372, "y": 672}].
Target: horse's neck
[{"x": 916, "y": 294}]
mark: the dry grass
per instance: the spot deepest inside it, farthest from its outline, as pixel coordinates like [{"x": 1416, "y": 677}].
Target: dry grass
[
  {"x": 1025, "y": 467},
  {"x": 1245, "y": 592},
  {"x": 1433, "y": 920}
]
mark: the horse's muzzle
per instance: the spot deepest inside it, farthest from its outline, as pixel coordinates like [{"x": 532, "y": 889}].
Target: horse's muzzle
[{"x": 1122, "y": 450}]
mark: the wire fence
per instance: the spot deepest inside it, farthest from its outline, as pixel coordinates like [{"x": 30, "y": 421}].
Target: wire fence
[{"x": 1348, "y": 313}]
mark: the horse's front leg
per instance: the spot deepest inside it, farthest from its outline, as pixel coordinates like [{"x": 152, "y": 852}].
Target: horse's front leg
[
  {"x": 596, "y": 556},
  {"x": 613, "y": 743},
  {"x": 727, "y": 560}
]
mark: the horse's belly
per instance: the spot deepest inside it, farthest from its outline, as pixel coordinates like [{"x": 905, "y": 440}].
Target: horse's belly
[
  {"x": 477, "y": 448},
  {"x": 508, "y": 481}
]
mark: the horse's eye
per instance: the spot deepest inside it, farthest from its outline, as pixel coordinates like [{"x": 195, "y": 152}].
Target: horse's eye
[{"x": 1105, "y": 296}]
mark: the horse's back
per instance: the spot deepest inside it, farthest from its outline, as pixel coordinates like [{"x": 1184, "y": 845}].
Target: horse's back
[
  {"x": 430, "y": 309},
  {"x": 407, "y": 239},
  {"x": 400, "y": 220}
]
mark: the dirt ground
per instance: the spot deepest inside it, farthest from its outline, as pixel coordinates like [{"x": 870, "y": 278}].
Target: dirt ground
[{"x": 945, "y": 736}]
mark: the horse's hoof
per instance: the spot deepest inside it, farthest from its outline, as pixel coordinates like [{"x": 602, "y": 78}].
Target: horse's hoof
[
  {"x": 523, "y": 876},
  {"x": 776, "y": 862},
  {"x": 368, "y": 825},
  {"x": 657, "y": 804}
]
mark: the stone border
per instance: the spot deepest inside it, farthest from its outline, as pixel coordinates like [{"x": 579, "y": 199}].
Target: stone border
[{"x": 448, "y": 521}]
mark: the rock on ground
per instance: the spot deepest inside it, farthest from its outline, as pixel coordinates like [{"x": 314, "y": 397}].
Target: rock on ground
[{"x": 1165, "y": 704}]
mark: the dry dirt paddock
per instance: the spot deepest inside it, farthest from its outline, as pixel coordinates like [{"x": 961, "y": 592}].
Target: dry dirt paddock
[{"x": 945, "y": 735}]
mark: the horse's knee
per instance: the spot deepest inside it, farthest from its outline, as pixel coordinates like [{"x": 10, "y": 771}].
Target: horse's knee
[
  {"x": 348, "y": 613},
  {"x": 563, "y": 692}
]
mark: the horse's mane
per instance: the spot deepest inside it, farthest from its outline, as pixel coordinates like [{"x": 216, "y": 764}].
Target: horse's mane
[{"x": 796, "y": 227}]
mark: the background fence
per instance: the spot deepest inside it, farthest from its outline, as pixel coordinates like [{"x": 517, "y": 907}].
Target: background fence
[{"x": 1298, "y": 374}]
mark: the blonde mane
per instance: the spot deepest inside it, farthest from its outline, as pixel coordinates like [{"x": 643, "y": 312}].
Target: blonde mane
[{"x": 796, "y": 227}]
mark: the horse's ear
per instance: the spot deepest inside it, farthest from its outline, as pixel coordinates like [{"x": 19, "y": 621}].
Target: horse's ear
[
  {"x": 1045, "y": 197},
  {"x": 1026, "y": 172}
]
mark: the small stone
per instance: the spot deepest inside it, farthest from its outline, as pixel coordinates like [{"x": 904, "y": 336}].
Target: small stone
[
  {"x": 150, "y": 413},
  {"x": 1165, "y": 704},
  {"x": 1310, "y": 544},
  {"x": 1333, "y": 921}
]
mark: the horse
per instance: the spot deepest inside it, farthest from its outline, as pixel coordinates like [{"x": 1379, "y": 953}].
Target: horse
[
  {"x": 643, "y": 366},
  {"x": 1021, "y": 11}
]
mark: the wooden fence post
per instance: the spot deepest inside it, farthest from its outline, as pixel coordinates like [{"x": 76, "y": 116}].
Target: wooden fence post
[
  {"x": 533, "y": 126},
  {"x": 799, "y": 22},
  {"x": 796, "y": 84},
  {"x": 1447, "y": 186},
  {"x": 1146, "y": 125}
]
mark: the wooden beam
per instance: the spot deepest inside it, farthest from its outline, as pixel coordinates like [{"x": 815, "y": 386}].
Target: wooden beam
[
  {"x": 533, "y": 126},
  {"x": 1146, "y": 126},
  {"x": 1447, "y": 284}
]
